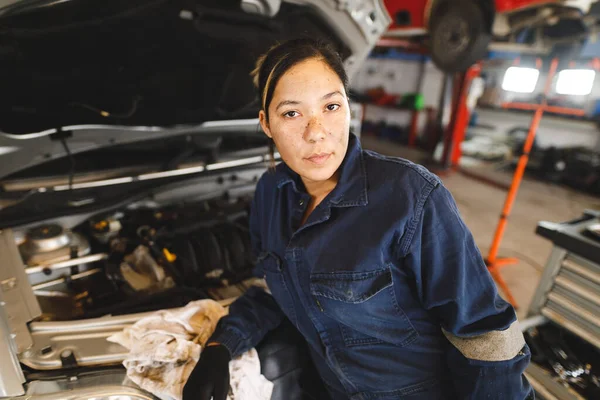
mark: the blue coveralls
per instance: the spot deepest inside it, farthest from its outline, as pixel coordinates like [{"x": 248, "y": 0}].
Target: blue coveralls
[{"x": 385, "y": 283}]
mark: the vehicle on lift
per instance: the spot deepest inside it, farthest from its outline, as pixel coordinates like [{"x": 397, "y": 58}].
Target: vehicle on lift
[
  {"x": 129, "y": 151},
  {"x": 460, "y": 31}
]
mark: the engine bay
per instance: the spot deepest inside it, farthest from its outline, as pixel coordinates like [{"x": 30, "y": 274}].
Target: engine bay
[{"x": 138, "y": 259}]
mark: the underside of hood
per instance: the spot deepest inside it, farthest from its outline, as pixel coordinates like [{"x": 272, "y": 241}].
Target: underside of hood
[{"x": 155, "y": 62}]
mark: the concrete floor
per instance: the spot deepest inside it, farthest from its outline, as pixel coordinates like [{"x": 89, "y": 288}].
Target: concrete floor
[{"x": 480, "y": 205}]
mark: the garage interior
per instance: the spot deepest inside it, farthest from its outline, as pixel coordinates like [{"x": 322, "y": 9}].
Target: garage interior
[
  {"x": 401, "y": 90},
  {"x": 499, "y": 98}
]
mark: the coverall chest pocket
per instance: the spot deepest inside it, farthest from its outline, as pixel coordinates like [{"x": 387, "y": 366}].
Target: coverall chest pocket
[
  {"x": 272, "y": 267},
  {"x": 365, "y": 305}
]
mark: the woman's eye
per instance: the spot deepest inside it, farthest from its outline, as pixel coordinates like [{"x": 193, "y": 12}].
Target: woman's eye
[
  {"x": 333, "y": 107},
  {"x": 291, "y": 114}
]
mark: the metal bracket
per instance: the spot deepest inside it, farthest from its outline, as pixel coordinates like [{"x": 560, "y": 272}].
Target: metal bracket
[
  {"x": 11, "y": 375},
  {"x": 18, "y": 306}
]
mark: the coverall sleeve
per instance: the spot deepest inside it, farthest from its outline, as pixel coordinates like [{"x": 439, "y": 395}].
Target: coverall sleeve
[
  {"x": 255, "y": 313},
  {"x": 487, "y": 353}
]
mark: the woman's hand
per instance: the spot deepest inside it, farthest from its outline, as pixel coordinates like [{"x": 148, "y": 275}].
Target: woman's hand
[{"x": 210, "y": 378}]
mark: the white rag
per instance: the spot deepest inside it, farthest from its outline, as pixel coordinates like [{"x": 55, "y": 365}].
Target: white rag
[{"x": 165, "y": 347}]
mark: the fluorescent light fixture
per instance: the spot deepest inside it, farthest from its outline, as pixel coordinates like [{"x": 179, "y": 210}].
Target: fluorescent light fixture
[
  {"x": 520, "y": 80},
  {"x": 575, "y": 82}
]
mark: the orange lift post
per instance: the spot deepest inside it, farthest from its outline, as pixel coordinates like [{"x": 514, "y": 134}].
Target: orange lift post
[{"x": 494, "y": 262}]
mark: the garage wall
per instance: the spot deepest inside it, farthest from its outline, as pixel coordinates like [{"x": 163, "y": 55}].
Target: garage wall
[{"x": 398, "y": 76}]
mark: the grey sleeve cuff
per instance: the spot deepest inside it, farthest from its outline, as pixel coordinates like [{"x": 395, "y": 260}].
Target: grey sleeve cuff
[{"x": 490, "y": 346}]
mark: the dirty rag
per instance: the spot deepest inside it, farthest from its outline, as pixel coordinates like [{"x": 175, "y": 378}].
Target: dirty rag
[{"x": 165, "y": 347}]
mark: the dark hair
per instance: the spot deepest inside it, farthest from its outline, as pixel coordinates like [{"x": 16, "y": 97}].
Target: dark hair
[{"x": 271, "y": 66}]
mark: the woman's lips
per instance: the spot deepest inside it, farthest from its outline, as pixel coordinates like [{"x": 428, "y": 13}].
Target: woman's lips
[{"x": 319, "y": 159}]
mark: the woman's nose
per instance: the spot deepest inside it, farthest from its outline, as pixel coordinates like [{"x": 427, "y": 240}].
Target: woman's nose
[{"x": 315, "y": 131}]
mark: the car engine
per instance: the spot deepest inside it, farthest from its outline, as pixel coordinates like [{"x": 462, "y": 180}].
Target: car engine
[{"x": 138, "y": 259}]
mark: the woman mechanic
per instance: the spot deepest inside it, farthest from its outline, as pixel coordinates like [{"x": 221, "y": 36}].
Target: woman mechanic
[{"x": 366, "y": 255}]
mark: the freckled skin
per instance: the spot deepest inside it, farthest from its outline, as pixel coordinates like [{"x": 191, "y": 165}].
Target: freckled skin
[{"x": 312, "y": 125}]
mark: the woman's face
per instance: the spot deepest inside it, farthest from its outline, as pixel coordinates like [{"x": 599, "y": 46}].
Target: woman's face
[{"x": 309, "y": 120}]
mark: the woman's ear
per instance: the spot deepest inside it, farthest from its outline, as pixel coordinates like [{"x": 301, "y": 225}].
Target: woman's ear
[{"x": 264, "y": 124}]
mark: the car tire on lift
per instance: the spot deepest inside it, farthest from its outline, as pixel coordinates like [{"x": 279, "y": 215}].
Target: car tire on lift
[{"x": 459, "y": 35}]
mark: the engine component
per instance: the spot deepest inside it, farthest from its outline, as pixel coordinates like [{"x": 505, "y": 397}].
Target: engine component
[
  {"x": 54, "y": 255},
  {"x": 49, "y": 244},
  {"x": 106, "y": 229},
  {"x": 43, "y": 273},
  {"x": 199, "y": 255},
  {"x": 66, "y": 279},
  {"x": 221, "y": 251},
  {"x": 142, "y": 259},
  {"x": 142, "y": 272},
  {"x": 147, "y": 235},
  {"x": 66, "y": 264}
]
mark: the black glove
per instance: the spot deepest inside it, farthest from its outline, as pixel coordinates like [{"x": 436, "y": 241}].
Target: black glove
[{"x": 210, "y": 378}]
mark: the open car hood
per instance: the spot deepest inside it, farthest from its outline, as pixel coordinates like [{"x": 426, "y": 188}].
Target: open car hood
[{"x": 105, "y": 72}]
